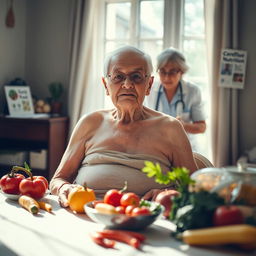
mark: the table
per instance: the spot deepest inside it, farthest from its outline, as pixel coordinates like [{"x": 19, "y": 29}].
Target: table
[
  {"x": 65, "y": 233},
  {"x": 36, "y": 133}
]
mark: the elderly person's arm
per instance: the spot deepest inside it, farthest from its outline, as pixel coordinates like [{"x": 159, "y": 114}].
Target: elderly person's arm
[{"x": 61, "y": 183}]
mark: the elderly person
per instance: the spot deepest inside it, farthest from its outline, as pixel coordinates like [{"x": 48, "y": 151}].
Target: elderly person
[
  {"x": 177, "y": 97},
  {"x": 109, "y": 147}
]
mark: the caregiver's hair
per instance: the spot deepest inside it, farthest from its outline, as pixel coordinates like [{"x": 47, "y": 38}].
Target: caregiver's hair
[{"x": 174, "y": 56}]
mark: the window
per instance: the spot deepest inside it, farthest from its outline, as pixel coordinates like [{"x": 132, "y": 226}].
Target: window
[{"x": 153, "y": 25}]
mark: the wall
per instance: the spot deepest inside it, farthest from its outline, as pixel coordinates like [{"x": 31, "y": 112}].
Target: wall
[
  {"x": 48, "y": 45},
  {"x": 247, "y": 97},
  {"x": 38, "y": 48},
  {"x": 12, "y": 45}
]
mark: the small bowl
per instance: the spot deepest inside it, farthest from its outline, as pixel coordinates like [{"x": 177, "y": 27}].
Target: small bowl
[
  {"x": 14, "y": 197},
  {"x": 122, "y": 221}
]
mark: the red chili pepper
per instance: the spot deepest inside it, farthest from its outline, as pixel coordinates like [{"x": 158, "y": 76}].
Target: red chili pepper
[
  {"x": 10, "y": 182},
  {"x": 100, "y": 240},
  {"x": 128, "y": 237}
]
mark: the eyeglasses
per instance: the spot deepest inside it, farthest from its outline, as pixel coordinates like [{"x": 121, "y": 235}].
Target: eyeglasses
[
  {"x": 136, "y": 78},
  {"x": 173, "y": 72}
]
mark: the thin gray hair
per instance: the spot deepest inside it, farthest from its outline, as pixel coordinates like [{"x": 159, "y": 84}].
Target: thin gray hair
[
  {"x": 120, "y": 50},
  {"x": 174, "y": 56}
]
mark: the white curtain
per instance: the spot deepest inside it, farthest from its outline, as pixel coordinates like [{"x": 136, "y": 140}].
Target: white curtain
[
  {"x": 221, "y": 19},
  {"x": 86, "y": 60}
]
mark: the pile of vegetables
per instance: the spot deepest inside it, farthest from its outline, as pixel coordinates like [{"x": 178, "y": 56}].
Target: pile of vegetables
[
  {"x": 118, "y": 201},
  {"x": 202, "y": 217},
  {"x": 30, "y": 189}
]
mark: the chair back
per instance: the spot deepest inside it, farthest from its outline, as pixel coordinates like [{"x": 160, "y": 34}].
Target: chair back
[{"x": 202, "y": 161}]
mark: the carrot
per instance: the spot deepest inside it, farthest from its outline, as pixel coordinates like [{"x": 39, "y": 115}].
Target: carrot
[
  {"x": 29, "y": 204},
  {"x": 100, "y": 240},
  {"x": 45, "y": 206},
  {"x": 127, "y": 237}
]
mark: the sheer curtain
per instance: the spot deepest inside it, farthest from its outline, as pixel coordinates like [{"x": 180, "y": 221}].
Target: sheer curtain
[
  {"x": 86, "y": 59},
  {"x": 221, "y": 32}
]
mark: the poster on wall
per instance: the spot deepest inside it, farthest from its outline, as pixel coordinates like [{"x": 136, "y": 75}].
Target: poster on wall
[
  {"x": 19, "y": 101},
  {"x": 232, "y": 68}
]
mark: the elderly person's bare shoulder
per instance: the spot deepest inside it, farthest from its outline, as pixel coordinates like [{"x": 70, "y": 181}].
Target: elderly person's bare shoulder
[
  {"x": 167, "y": 124},
  {"x": 91, "y": 122}
]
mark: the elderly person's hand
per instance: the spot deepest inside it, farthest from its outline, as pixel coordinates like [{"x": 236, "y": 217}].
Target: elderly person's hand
[
  {"x": 152, "y": 194},
  {"x": 64, "y": 192}
]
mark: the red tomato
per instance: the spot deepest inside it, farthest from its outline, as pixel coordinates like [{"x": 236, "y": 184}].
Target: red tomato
[
  {"x": 227, "y": 215},
  {"x": 120, "y": 209},
  {"x": 34, "y": 187},
  {"x": 10, "y": 183},
  {"x": 129, "y": 209},
  {"x": 43, "y": 179},
  {"x": 113, "y": 197},
  {"x": 140, "y": 211},
  {"x": 130, "y": 199}
]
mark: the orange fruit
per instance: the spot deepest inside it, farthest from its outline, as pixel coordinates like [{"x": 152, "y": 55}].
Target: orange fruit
[{"x": 78, "y": 197}]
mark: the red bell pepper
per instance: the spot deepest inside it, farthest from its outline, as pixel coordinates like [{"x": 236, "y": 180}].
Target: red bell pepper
[{"x": 10, "y": 182}]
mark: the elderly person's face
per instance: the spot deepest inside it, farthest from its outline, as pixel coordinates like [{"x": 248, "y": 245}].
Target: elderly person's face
[
  {"x": 170, "y": 75},
  {"x": 128, "y": 80}
]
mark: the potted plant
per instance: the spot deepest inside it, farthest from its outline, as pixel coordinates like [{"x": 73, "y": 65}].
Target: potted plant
[{"x": 56, "y": 90}]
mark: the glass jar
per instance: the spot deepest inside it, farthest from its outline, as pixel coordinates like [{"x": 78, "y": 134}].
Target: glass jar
[{"x": 234, "y": 183}]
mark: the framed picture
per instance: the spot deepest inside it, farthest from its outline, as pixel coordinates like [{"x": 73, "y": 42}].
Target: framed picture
[
  {"x": 19, "y": 100},
  {"x": 232, "y": 68}
]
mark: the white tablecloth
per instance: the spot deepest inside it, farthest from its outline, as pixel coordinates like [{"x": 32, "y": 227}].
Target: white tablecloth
[{"x": 63, "y": 233}]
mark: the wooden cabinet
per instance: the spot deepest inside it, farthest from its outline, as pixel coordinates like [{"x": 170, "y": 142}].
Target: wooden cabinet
[{"x": 36, "y": 133}]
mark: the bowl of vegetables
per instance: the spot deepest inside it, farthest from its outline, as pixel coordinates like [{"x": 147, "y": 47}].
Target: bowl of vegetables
[{"x": 129, "y": 212}]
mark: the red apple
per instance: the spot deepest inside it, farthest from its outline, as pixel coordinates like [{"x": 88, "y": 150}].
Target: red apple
[
  {"x": 227, "y": 215},
  {"x": 165, "y": 199}
]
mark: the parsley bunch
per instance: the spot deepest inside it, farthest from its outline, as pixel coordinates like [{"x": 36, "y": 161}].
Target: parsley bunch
[{"x": 179, "y": 176}]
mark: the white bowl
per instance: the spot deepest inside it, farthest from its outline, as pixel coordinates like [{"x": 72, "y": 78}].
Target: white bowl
[{"x": 122, "y": 221}]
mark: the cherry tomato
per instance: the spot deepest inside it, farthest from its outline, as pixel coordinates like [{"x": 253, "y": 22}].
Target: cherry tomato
[
  {"x": 120, "y": 209},
  {"x": 129, "y": 209},
  {"x": 130, "y": 199},
  {"x": 10, "y": 183},
  {"x": 113, "y": 197},
  {"x": 227, "y": 215},
  {"x": 140, "y": 211},
  {"x": 33, "y": 186}
]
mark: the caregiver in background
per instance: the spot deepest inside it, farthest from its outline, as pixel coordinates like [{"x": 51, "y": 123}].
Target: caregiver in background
[{"x": 177, "y": 97}]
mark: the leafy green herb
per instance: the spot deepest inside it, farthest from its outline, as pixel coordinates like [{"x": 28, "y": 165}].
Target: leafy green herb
[
  {"x": 193, "y": 210},
  {"x": 153, "y": 206},
  {"x": 178, "y": 175}
]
